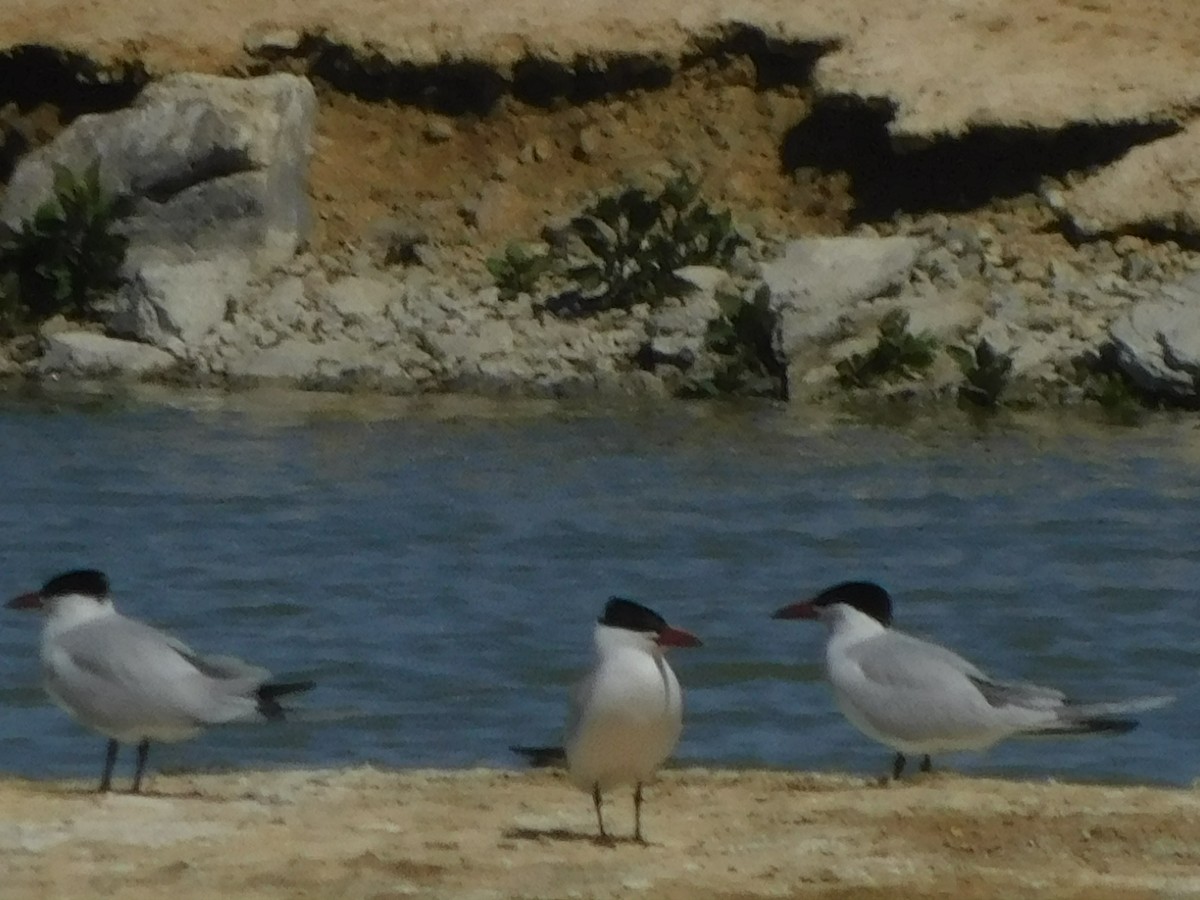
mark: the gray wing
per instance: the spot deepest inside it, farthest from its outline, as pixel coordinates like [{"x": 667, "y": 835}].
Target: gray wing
[
  {"x": 223, "y": 668},
  {"x": 130, "y": 643},
  {"x": 899, "y": 660},
  {"x": 1019, "y": 693},
  {"x": 120, "y": 671},
  {"x": 906, "y": 661}
]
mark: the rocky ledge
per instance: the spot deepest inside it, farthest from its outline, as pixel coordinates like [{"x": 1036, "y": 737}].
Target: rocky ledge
[{"x": 221, "y": 284}]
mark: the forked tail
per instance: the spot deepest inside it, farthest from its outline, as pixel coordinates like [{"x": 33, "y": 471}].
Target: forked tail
[
  {"x": 1101, "y": 718},
  {"x": 267, "y": 694},
  {"x": 1096, "y": 725}
]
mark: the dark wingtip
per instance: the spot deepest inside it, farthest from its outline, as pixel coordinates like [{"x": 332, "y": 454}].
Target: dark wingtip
[
  {"x": 542, "y": 757},
  {"x": 268, "y": 694},
  {"x": 1096, "y": 725},
  {"x": 1112, "y": 726}
]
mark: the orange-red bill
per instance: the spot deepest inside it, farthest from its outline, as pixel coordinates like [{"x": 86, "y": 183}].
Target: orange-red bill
[
  {"x": 32, "y": 600},
  {"x": 677, "y": 637},
  {"x": 802, "y": 610}
]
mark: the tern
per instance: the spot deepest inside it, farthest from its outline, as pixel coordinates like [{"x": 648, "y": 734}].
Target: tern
[
  {"x": 626, "y": 715},
  {"x": 134, "y": 683},
  {"x": 921, "y": 698}
]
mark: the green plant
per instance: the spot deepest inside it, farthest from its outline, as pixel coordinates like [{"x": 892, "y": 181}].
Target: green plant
[
  {"x": 635, "y": 241},
  {"x": 741, "y": 339},
  {"x": 519, "y": 270},
  {"x": 986, "y": 372},
  {"x": 1101, "y": 380},
  {"x": 897, "y": 354},
  {"x": 65, "y": 255},
  {"x": 1117, "y": 395}
]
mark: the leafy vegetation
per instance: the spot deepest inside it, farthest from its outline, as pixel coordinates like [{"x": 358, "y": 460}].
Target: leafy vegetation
[
  {"x": 1103, "y": 382},
  {"x": 741, "y": 340},
  {"x": 986, "y": 372},
  {"x": 625, "y": 249},
  {"x": 64, "y": 256},
  {"x": 1117, "y": 395},
  {"x": 635, "y": 240},
  {"x": 519, "y": 270},
  {"x": 897, "y": 355}
]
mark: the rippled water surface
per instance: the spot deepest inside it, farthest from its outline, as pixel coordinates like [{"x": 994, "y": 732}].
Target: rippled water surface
[{"x": 438, "y": 568}]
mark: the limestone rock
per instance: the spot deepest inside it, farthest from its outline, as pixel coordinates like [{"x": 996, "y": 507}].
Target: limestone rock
[
  {"x": 818, "y": 279},
  {"x": 284, "y": 306},
  {"x": 359, "y": 300},
  {"x": 677, "y": 331},
  {"x": 209, "y": 165},
  {"x": 174, "y": 306},
  {"x": 1157, "y": 342},
  {"x": 85, "y": 353},
  {"x": 1153, "y": 185},
  {"x": 297, "y": 359}
]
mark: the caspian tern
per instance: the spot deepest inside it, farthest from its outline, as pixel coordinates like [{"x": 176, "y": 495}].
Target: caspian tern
[
  {"x": 920, "y": 698},
  {"x": 132, "y": 682},
  {"x": 626, "y": 715}
]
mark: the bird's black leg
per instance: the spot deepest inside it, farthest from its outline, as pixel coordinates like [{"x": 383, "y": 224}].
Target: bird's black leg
[
  {"x": 143, "y": 751},
  {"x": 927, "y": 764},
  {"x": 599, "y": 814},
  {"x": 110, "y": 760},
  {"x": 637, "y": 814},
  {"x": 898, "y": 766}
]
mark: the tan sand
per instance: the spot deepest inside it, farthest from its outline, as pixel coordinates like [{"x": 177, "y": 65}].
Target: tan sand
[
  {"x": 946, "y": 62},
  {"x": 365, "y": 833}
]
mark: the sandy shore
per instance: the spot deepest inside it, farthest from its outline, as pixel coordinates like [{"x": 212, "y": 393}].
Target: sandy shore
[{"x": 365, "y": 833}]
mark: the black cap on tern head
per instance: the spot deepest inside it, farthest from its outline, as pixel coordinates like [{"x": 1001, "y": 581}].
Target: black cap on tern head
[
  {"x": 86, "y": 582},
  {"x": 622, "y": 613},
  {"x": 865, "y": 596}
]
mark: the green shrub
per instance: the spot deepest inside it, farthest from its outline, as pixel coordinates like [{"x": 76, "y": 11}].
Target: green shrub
[
  {"x": 64, "y": 256},
  {"x": 742, "y": 340},
  {"x": 897, "y": 355},
  {"x": 519, "y": 270},
  {"x": 986, "y": 372},
  {"x": 1121, "y": 400},
  {"x": 635, "y": 240}
]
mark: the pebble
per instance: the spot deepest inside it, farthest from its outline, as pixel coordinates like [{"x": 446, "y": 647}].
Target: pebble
[{"x": 438, "y": 131}]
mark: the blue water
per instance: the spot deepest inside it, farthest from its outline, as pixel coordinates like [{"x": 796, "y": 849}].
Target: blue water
[{"x": 437, "y": 566}]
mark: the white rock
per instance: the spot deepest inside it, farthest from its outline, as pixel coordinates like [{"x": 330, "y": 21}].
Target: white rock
[
  {"x": 818, "y": 279},
  {"x": 1153, "y": 184},
  {"x": 172, "y": 304},
  {"x": 359, "y": 300},
  {"x": 294, "y": 359},
  {"x": 86, "y": 353},
  {"x": 1158, "y": 341},
  {"x": 211, "y": 166}
]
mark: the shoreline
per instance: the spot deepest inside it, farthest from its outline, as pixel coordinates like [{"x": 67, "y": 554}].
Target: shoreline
[
  {"x": 713, "y": 833},
  {"x": 997, "y": 193}
]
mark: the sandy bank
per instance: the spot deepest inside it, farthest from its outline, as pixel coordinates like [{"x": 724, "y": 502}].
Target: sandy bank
[{"x": 367, "y": 833}]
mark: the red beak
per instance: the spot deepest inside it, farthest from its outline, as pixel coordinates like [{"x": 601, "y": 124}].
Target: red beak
[
  {"x": 677, "y": 637},
  {"x": 32, "y": 600},
  {"x": 802, "y": 610}
]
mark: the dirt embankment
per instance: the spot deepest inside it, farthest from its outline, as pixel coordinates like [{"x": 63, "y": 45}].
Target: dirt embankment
[
  {"x": 712, "y": 834},
  {"x": 475, "y": 124}
]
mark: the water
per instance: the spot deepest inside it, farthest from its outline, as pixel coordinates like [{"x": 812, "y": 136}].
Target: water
[{"x": 437, "y": 567}]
